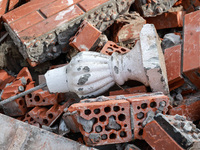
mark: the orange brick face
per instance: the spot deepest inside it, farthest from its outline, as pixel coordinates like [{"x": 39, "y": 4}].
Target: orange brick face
[
  {"x": 156, "y": 136},
  {"x": 101, "y": 111},
  {"x": 111, "y": 47},
  {"x": 167, "y": 20},
  {"x": 134, "y": 106},
  {"x": 85, "y": 37},
  {"x": 191, "y": 48},
  {"x": 47, "y": 26},
  {"x": 173, "y": 66}
]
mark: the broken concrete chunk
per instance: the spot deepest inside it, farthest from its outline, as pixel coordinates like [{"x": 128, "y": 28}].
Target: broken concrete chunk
[
  {"x": 170, "y": 40},
  {"x": 18, "y": 135}
]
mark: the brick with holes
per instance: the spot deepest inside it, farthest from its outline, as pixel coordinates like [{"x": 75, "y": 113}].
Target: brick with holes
[
  {"x": 108, "y": 120},
  {"x": 111, "y": 47},
  {"x": 141, "y": 105},
  {"x": 23, "y": 82},
  {"x": 95, "y": 118},
  {"x": 42, "y": 98},
  {"x": 45, "y": 116},
  {"x": 85, "y": 37}
]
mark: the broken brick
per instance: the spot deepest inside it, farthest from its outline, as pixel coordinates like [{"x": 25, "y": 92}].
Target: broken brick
[
  {"x": 179, "y": 129},
  {"x": 46, "y": 116},
  {"x": 105, "y": 119},
  {"x": 173, "y": 66},
  {"x": 189, "y": 107},
  {"x": 111, "y": 47},
  {"x": 101, "y": 112},
  {"x": 167, "y": 20},
  {"x": 127, "y": 27},
  {"x": 191, "y": 48},
  {"x": 85, "y": 37},
  {"x": 158, "y": 138},
  {"x": 42, "y": 98},
  {"x": 58, "y": 25},
  {"x": 23, "y": 82},
  {"x": 5, "y": 78},
  {"x": 141, "y": 105}
]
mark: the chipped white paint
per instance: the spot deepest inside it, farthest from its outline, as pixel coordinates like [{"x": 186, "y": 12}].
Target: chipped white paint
[
  {"x": 83, "y": 47},
  {"x": 64, "y": 12}
]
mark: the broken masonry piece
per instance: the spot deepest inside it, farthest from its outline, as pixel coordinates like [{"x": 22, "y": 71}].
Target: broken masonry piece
[
  {"x": 85, "y": 37},
  {"x": 118, "y": 119},
  {"x": 151, "y": 8},
  {"x": 47, "y": 35},
  {"x": 24, "y": 136},
  {"x": 171, "y": 132},
  {"x": 92, "y": 73}
]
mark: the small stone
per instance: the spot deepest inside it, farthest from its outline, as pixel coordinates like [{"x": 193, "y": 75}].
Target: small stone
[
  {"x": 178, "y": 117},
  {"x": 194, "y": 135},
  {"x": 177, "y": 124},
  {"x": 21, "y": 88},
  {"x": 187, "y": 127}
]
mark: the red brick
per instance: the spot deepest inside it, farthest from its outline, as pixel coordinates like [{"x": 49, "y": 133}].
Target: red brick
[
  {"x": 127, "y": 27},
  {"x": 87, "y": 5},
  {"x": 167, "y": 20},
  {"x": 120, "y": 109},
  {"x": 157, "y": 138},
  {"x": 51, "y": 23},
  {"x": 26, "y": 22},
  {"x": 45, "y": 116},
  {"x": 111, "y": 47},
  {"x": 24, "y": 10},
  {"x": 13, "y": 4},
  {"x": 144, "y": 104},
  {"x": 3, "y": 5},
  {"x": 5, "y": 78},
  {"x": 173, "y": 66},
  {"x": 56, "y": 7},
  {"x": 138, "y": 89},
  {"x": 42, "y": 98},
  {"x": 189, "y": 107},
  {"x": 191, "y": 46},
  {"x": 85, "y": 37}
]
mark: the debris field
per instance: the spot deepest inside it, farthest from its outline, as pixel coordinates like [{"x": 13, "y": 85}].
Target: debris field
[{"x": 100, "y": 74}]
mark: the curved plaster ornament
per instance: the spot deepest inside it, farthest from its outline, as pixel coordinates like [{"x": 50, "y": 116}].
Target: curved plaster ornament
[{"x": 92, "y": 73}]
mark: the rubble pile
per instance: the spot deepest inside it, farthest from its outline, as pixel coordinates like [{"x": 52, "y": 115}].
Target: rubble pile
[{"x": 100, "y": 74}]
